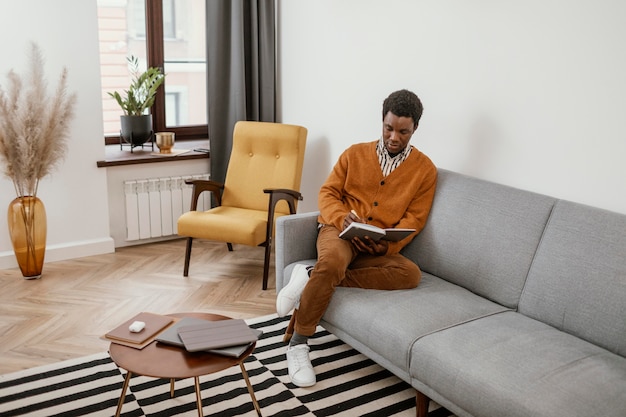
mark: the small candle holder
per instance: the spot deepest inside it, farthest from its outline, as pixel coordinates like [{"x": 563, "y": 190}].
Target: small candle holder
[{"x": 165, "y": 141}]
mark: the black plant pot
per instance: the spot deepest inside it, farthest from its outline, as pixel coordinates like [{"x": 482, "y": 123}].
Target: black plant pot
[{"x": 136, "y": 130}]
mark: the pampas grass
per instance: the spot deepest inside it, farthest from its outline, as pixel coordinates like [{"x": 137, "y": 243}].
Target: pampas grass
[{"x": 34, "y": 128}]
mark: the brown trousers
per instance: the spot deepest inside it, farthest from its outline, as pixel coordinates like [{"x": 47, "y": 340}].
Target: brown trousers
[{"x": 339, "y": 264}]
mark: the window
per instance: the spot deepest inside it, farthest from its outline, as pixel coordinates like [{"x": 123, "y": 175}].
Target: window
[{"x": 169, "y": 34}]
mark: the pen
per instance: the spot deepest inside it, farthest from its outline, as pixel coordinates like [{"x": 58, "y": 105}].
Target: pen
[{"x": 358, "y": 217}]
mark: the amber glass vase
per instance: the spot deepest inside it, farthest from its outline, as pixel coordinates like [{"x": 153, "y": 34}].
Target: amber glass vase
[{"x": 27, "y": 228}]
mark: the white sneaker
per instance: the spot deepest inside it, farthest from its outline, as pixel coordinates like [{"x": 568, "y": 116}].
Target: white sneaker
[
  {"x": 289, "y": 297},
  {"x": 299, "y": 365}
]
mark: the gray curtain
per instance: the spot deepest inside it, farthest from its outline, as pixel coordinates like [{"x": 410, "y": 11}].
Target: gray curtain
[{"x": 240, "y": 70}]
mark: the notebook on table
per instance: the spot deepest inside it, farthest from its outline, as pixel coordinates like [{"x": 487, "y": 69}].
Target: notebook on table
[
  {"x": 154, "y": 323},
  {"x": 216, "y": 335},
  {"x": 171, "y": 337}
]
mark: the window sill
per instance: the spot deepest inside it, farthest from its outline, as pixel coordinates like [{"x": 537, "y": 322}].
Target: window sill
[{"x": 114, "y": 156}]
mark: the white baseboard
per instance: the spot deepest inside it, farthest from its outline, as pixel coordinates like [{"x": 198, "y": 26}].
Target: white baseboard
[{"x": 65, "y": 251}]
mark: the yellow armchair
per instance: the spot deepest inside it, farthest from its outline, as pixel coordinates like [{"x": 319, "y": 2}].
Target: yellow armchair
[{"x": 262, "y": 183}]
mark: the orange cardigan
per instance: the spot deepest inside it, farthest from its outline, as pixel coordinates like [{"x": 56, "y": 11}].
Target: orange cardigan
[{"x": 402, "y": 199}]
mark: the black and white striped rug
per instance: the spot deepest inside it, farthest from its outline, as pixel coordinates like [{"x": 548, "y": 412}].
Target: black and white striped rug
[{"x": 349, "y": 384}]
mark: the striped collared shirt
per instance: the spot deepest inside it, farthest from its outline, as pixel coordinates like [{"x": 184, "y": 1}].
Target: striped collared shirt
[{"x": 387, "y": 163}]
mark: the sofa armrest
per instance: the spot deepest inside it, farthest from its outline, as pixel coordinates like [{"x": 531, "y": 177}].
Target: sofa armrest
[{"x": 296, "y": 237}]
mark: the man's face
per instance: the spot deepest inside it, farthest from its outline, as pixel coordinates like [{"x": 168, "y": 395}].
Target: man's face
[{"x": 397, "y": 132}]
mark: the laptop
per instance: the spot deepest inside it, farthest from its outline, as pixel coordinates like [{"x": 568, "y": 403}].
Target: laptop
[{"x": 170, "y": 337}]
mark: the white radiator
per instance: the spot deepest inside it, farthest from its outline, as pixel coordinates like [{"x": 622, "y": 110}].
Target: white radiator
[{"x": 154, "y": 205}]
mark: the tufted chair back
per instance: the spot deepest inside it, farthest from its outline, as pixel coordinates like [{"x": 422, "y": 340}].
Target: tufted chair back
[{"x": 264, "y": 155}]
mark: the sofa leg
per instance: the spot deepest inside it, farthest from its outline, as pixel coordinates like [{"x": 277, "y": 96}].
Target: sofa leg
[{"x": 421, "y": 404}]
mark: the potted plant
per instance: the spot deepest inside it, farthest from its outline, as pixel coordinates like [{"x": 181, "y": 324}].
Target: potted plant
[
  {"x": 34, "y": 131},
  {"x": 136, "y": 125}
]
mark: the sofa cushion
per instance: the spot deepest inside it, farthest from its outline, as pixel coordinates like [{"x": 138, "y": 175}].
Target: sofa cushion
[
  {"x": 389, "y": 322},
  {"x": 481, "y": 236},
  {"x": 577, "y": 282},
  {"x": 510, "y": 365}
]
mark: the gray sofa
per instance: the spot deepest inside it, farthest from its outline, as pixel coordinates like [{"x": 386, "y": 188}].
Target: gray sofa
[{"x": 521, "y": 310}]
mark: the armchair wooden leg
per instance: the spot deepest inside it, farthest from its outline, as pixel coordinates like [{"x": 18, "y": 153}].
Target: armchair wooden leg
[
  {"x": 421, "y": 404},
  {"x": 266, "y": 265},
  {"x": 187, "y": 256}
]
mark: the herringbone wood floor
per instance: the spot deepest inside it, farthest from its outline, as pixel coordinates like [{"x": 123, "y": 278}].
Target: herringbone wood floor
[{"x": 64, "y": 314}]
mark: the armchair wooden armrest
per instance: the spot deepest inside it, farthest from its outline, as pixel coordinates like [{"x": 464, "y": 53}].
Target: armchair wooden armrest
[
  {"x": 278, "y": 194},
  {"x": 200, "y": 186}
]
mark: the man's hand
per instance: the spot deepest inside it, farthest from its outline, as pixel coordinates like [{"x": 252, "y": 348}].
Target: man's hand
[
  {"x": 368, "y": 245},
  {"x": 351, "y": 218}
]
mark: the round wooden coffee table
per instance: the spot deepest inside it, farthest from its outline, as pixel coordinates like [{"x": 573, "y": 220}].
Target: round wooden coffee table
[{"x": 158, "y": 360}]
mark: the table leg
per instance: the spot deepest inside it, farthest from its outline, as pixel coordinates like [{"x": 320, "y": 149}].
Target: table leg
[
  {"x": 250, "y": 390},
  {"x": 172, "y": 388},
  {"x": 198, "y": 395},
  {"x": 123, "y": 395}
]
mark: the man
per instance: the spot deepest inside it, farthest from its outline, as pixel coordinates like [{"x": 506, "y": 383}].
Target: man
[{"x": 387, "y": 183}]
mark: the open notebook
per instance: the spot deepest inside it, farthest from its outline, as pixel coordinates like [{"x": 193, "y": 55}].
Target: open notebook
[{"x": 376, "y": 233}]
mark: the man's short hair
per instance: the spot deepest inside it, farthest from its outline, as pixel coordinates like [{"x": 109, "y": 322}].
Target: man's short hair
[{"x": 403, "y": 103}]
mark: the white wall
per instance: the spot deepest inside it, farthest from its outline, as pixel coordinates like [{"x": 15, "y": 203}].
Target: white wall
[
  {"x": 529, "y": 94},
  {"x": 75, "y": 196},
  {"x": 525, "y": 93}
]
